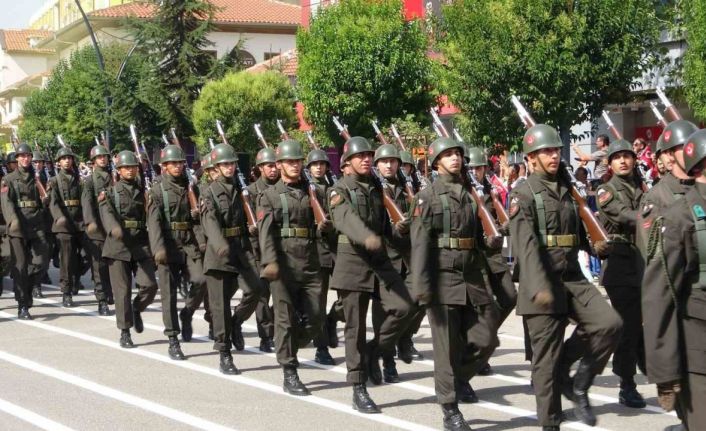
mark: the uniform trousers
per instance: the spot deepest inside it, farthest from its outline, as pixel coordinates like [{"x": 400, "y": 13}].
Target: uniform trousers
[
  {"x": 221, "y": 287},
  {"x": 70, "y": 246},
  {"x": 99, "y": 269},
  {"x": 168, "y": 280},
  {"x": 27, "y": 261},
  {"x": 630, "y": 352},
  {"x": 121, "y": 275}
]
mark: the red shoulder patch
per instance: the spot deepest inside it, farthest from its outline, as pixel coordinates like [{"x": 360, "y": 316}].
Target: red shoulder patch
[
  {"x": 604, "y": 196},
  {"x": 646, "y": 225},
  {"x": 260, "y": 215},
  {"x": 514, "y": 207}
]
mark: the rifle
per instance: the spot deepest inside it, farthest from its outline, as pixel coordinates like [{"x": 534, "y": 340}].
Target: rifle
[
  {"x": 113, "y": 169},
  {"x": 282, "y": 130},
  {"x": 395, "y": 213},
  {"x": 457, "y": 135},
  {"x": 244, "y": 192},
  {"x": 378, "y": 133},
  {"x": 497, "y": 204},
  {"x": 330, "y": 176},
  {"x": 645, "y": 184},
  {"x": 319, "y": 214},
  {"x": 668, "y": 107},
  {"x": 439, "y": 127},
  {"x": 595, "y": 229},
  {"x": 39, "y": 150},
  {"x": 409, "y": 188},
  {"x": 658, "y": 115},
  {"x": 611, "y": 127},
  {"x": 136, "y": 144},
  {"x": 191, "y": 195},
  {"x": 260, "y": 136},
  {"x": 418, "y": 181}
]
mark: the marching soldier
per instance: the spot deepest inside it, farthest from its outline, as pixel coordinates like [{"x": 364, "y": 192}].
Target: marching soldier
[
  {"x": 127, "y": 248},
  {"x": 173, "y": 242},
  {"x": 449, "y": 279},
  {"x": 363, "y": 270},
  {"x": 65, "y": 207},
  {"x": 38, "y": 161},
  {"x": 99, "y": 180},
  {"x": 23, "y": 210},
  {"x": 318, "y": 163},
  {"x": 228, "y": 255},
  {"x": 676, "y": 299},
  {"x": 619, "y": 204},
  {"x": 546, "y": 235},
  {"x": 11, "y": 162},
  {"x": 265, "y": 163},
  {"x": 290, "y": 262}
]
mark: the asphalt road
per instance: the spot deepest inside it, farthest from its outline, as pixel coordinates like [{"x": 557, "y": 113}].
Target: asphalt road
[{"x": 64, "y": 370}]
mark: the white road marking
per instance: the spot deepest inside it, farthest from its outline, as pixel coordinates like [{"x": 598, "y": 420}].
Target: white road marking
[
  {"x": 115, "y": 394},
  {"x": 31, "y": 417}
]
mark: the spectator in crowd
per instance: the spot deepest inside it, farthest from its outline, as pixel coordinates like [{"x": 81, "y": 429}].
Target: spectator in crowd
[{"x": 599, "y": 157}]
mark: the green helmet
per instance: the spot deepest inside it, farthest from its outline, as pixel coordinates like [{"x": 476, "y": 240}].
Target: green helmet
[
  {"x": 11, "y": 157},
  {"x": 171, "y": 153},
  {"x": 356, "y": 145},
  {"x": 126, "y": 158},
  {"x": 265, "y": 155},
  {"x": 157, "y": 157},
  {"x": 317, "y": 156},
  {"x": 442, "y": 144},
  {"x": 539, "y": 137},
  {"x": 476, "y": 157},
  {"x": 694, "y": 150},
  {"x": 98, "y": 150},
  {"x": 65, "y": 152},
  {"x": 23, "y": 149},
  {"x": 675, "y": 134},
  {"x": 289, "y": 150},
  {"x": 618, "y": 146},
  {"x": 37, "y": 156},
  {"x": 206, "y": 163},
  {"x": 223, "y": 153},
  {"x": 387, "y": 151},
  {"x": 406, "y": 157}
]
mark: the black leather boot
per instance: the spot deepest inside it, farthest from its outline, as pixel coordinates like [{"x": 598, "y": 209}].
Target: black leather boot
[
  {"x": 406, "y": 351},
  {"x": 629, "y": 396},
  {"x": 550, "y": 428},
  {"x": 67, "y": 301},
  {"x": 227, "y": 366},
  {"x": 389, "y": 370},
  {"x": 582, "y": 382},
  {"x": 103, "y": 308},
  {"x": 453, "y": 418},
  {"x": 465, "y": 393},
  {"x": 323, "y": 356},
  {"x": 265, "y": 345},
  {"x": 175, "y": 349},
  {"x": 187, "y": 331},
  {"x": 485, "y": 370},
  {"x": 331, "y": 330},
  {"x": 210, "y": 331},
  {"x": 125, "y": 339},
  {"x": 37, "y": 291},
  {"x": 137, "y": 318},
  {"x": 23, "y": 313},
  {"x": 362, "y": 401},
  {"x": 236, "y": 334},
  {"x": 292, "y": 385}
]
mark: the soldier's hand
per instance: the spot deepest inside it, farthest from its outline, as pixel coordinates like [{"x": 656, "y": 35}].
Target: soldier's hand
[
  {"x": 402, "y": 227},
  {"x": 161, "y": 256},
  {"x": 423, "y": 299},
  {"x": 667, "y": 395},
  {"x": 271, "y": 271},
  {"x": 324, "y": 226},
  {"x": 92, "y": 228},
  {"x": 543, "y": 298},
  {"x": 223, "y": 251},
  {"x": 494, "y": 242},
  {"x": 252, "y": 229},
  {"x": 61, "y": 222},
  {"x": 373, "y": 243},
  {"x": 195, "y": 213},
  {"x": 117, "y": 232},
  {"x": 602, "y": 248}
]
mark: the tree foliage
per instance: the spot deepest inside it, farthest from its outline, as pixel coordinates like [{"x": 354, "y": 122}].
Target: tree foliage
[
  {"x": 240, "y": 100},
  {"x": 360, "y": 60},
  {"x": 694, "y": 71},
  {"x": 73, "y": 103},
  {"x": 565, "y": 60}
]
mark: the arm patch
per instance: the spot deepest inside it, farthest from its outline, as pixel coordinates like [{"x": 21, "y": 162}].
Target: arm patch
[
  {"x": 514, "y": 206},
  {"x": 604, "y": 196}
]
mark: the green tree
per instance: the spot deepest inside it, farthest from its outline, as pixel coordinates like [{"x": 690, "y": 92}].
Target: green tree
[
  {"x": 73, "y": 103},
  {"x": 565, "y": 60},
  {"x": 694, "y": 71},
  {"x": 360, "y": 60},
  {"x": 240, "y": 100}
]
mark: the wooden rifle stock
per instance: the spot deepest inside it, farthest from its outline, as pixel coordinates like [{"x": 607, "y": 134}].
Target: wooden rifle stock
[
  {"x": 594, "y": 228},
  {"x": 395, "y": 213},
  {"x": 319, "y": 213},
  {"x": 498, "y": 206},
  {"x": 669, "y": 108},
  {"x": 486, "y": 219}
]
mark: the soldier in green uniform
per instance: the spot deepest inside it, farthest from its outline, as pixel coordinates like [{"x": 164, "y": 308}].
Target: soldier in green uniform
[
  {"x": 290, "y": 262},
  {"x": 228, "y": 259},
  {"x": 264, "y": 316},
  {"x": 65, "y": 207},
  {"x": 173, "y": 242},
  {"x": 23, "y": 210},
  {"x": 318, "y": 163},
  {"x": 126, "y": 248},
  {"x": 38, "y": 161},
  {"x": 676, "y": 297},
  {"x": 11, "y": 162},
  {"x": 546, "y": 234},
  {"x": 363, "y": 270},
  {"x": 397, "y": 243},
  {"x": 450, "y": 280},
  {"x": 621, "y": 273},
  {"x": 99, "y": 180}
]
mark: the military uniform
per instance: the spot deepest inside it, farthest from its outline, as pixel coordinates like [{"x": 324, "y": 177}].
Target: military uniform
[
  {"x": 546, "y": 234},
  {"x": 24, "y": 212},
  {"x": 126, "y": 248},
  {"x": 360, "y": 274},
  {"x": 228, "y": 257},
  {"x": 50, "y": 237}
]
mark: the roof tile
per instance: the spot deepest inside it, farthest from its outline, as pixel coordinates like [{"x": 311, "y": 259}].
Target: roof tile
[{"x": 19, "y": 40}]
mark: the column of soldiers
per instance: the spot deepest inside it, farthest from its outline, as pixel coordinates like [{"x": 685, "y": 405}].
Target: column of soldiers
[{"x": 437, "y": 262}]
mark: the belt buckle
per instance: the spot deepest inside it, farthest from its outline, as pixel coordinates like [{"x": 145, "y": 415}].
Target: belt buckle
[
  {"x": 465, "y": 243},
  {"x": 453, "y": 243}
]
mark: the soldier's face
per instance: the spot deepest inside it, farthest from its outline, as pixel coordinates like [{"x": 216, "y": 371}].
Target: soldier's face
[
  {"x": 546, "y": 160},
  {"x": 226, "y": 169},
  {"x": 291, "y": 170},
  {"x": 388, "y": 167},
  {"x": 667, "y": 160},
  {"x": 38, "y": 166},
  {"x": 478, "y": 172},
  {"x": 269, "y": 171},
  {"x": 24, "y": 160},
  {"x": 66, "y": 163},
  {"x": 213, "y": 174},
  {"x": 174, "y": 169},
  {"x": 449, "y": 162},
  {"x": 128, "y": 172},
  {"x": 101, "y": 161},
  {"x": 622, "y": 163},
  {"x": 318, "y": 169},
  {"x": 362, "y": 163}
]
